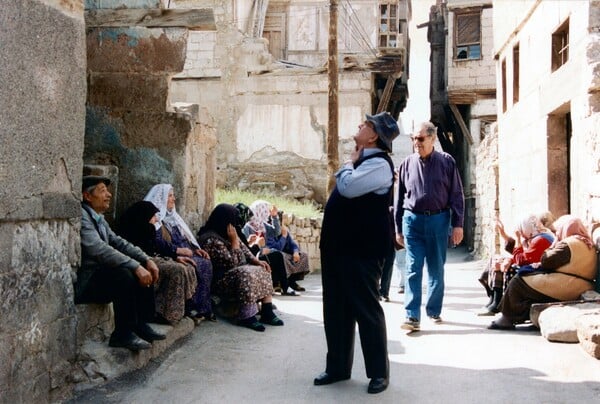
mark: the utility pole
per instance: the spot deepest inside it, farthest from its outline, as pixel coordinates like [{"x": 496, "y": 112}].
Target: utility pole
[{"x": 332, "y": 70}]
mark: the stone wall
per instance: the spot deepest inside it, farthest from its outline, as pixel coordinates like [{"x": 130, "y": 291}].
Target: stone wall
[
  {"x": 42, "y": 115},
  {"x": 131, "y": 123},
  {"x": 486, "y": 195},
  {"x": 307, "y": 233}
]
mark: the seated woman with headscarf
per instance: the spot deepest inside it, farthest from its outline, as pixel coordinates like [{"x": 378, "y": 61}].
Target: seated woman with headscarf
[
  {"x": 265, "y": 223},
  {"x": 238, "y": 274},
  {"x": 177, "y": 282},
  {"x": 531, "y": 239},
  {"x": 174, "y": 239},
  {"x": 566, "y": 270}
]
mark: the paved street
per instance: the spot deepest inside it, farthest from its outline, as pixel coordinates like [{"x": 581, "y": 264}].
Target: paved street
[{"x": 459, "y": 361}]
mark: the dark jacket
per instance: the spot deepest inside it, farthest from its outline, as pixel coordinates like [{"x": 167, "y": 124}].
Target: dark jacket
[{"x": 98, "y": 254}]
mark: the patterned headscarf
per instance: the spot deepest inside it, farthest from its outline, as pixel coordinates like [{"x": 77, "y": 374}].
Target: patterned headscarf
[
  {"x": 159, "y": 195},
  {"x": 261, "y": 210},
  {"x": 530, "y": 226},
  {"x": 569, "y": 225}
]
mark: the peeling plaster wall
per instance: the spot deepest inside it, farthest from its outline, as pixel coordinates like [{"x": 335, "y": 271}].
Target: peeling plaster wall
[
  {"x": 523, "y": 128},
  {"x": 260, "y": 109},
  {"x": 132, "y": 125},
  {"x": 42, "y": 113}
]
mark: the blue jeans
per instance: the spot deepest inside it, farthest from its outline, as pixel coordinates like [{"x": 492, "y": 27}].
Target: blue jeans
[{"x": 426, "y": 240}]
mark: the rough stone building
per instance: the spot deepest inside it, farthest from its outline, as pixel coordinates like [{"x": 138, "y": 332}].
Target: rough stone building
[
  {"x": 463, "y": 96},
  {"x": 133, "y": 131},
  {"x": 262, "y": 77},
  {"x": 42, "y": 120},
  {"x": 547, "y": 54},
  {"x": 83, "y": 86}
]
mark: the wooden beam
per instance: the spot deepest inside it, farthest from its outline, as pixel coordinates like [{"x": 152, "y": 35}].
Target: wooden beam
[
  {"x": 461, "y": 123},
  {"x": 333, "y": 159},
  {"x": 384, "y": 101},
  {"x": 199, "y": 19}
]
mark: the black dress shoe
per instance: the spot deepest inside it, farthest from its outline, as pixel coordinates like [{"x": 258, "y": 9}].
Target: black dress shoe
[
  {"x": 377, "y": 385},
  {"x": 129, "y": 341},
  {"x": 146, "y": 332},
  {"x": 325, "y": 378}
]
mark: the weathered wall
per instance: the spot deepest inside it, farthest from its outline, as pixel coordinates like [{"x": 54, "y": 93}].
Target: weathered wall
[
  {"x": 262, "y": 110},
  {"x": 486, "y": 194},
  {"x": 523, "y": 128},
  {"x": 131, "y": 124},
  {"x": 470, "y": 74},
  {"x": 42, "y": 113}
]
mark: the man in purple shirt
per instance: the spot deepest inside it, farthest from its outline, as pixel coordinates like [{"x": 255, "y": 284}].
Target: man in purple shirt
[{"x": 430, "y": 201}]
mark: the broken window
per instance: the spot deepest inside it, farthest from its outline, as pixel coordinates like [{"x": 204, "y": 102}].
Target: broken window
[
  {"x": 468, "y": 36},
  {"x": 388, "y": 25},
  {"x": 560, "y": 46}
]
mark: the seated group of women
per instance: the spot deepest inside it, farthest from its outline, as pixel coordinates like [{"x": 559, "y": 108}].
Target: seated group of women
[
  {"x": 550, "y": 268},
  {"x": 219, "y": 261}
]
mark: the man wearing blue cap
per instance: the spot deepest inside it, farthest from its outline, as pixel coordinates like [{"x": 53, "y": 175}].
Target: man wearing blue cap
[{"x": 356, "y": 236}]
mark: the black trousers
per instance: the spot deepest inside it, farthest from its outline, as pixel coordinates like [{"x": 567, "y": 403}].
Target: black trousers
[
  {"x": 132, "y": 303},
  {"x": 386, "y": 276},
  {"x": 350, "y": 296},
  {"x": 278, "y": 273}
]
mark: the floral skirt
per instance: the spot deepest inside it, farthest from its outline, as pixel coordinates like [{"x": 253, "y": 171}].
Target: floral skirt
[
  {"x": 247, "y": 284},
  {"x": 299, "y": 268},
  {"x": 177, "y": 283}
]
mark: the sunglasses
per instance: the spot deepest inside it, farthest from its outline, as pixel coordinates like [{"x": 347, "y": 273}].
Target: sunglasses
[{"x": 419, "y": 139}]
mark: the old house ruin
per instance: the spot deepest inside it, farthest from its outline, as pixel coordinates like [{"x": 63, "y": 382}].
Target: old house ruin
[{"x": 262, "y": 77}]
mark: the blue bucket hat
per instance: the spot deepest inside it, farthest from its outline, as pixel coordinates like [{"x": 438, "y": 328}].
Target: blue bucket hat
[{"x": 386, "y": 128}]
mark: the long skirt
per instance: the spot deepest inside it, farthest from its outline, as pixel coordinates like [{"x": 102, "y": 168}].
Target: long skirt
[
  {"x": 247, "y": 284},
  {"x": 518, "y": 298},
  {"x": 177, "y": 283},
  {"x": 296, "y": 269},
  {"x": 201, "y": 301}
]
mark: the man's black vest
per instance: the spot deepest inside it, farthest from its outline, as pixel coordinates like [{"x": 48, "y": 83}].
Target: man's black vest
[{"x": 360, "y": 226}]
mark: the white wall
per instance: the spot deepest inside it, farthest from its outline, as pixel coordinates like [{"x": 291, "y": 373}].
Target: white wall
[{"x": 523, "y": 129}]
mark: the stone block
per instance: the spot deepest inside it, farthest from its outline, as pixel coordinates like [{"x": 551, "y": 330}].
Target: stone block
[
  {"x": 95, "y": 322},
  {"x": 136, "y": 50},
  {"x": 128, "y": 92},
  {"x": 588, "y": 333},
  {"x": 98, "y": 362},
  {"x": 60, "y": 206},
  {"x": 558, "y": 322}
]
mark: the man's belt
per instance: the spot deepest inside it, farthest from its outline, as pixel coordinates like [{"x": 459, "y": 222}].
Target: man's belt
[{"x": 428, "y": 212}]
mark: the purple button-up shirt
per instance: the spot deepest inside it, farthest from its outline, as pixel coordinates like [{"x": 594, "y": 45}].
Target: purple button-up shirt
[{"x": 430, "y": 184}]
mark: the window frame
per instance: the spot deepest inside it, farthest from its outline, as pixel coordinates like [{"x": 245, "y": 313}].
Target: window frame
[
  {"x": 391, "y": 21},
  {"x": 559, "y": 49},
  {"x": 469, "y": 47}
]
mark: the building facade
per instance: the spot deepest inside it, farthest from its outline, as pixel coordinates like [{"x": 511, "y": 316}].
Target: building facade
[
  {"x": 262, "y": 75},
  {"x": 547, "y": 76}
]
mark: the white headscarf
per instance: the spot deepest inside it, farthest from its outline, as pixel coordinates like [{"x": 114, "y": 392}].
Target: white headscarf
[{"x": 159, "y": 195}]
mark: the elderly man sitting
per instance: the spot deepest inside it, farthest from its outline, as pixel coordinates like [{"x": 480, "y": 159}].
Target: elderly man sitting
[{"x": 111, "y": 271}]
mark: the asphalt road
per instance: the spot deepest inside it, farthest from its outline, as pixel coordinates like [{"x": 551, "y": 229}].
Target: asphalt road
[{"x": 458, "y": 361}]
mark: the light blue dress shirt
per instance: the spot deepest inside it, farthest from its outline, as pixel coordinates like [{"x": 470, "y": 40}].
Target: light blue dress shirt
[{"x": 373, "y": 175}]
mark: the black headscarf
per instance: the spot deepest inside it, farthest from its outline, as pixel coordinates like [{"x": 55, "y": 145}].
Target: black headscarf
[
  {"x": 222, "y": 216},
  {"x": 135, "y": 226},
  {"x": 244, "y": 213}
]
